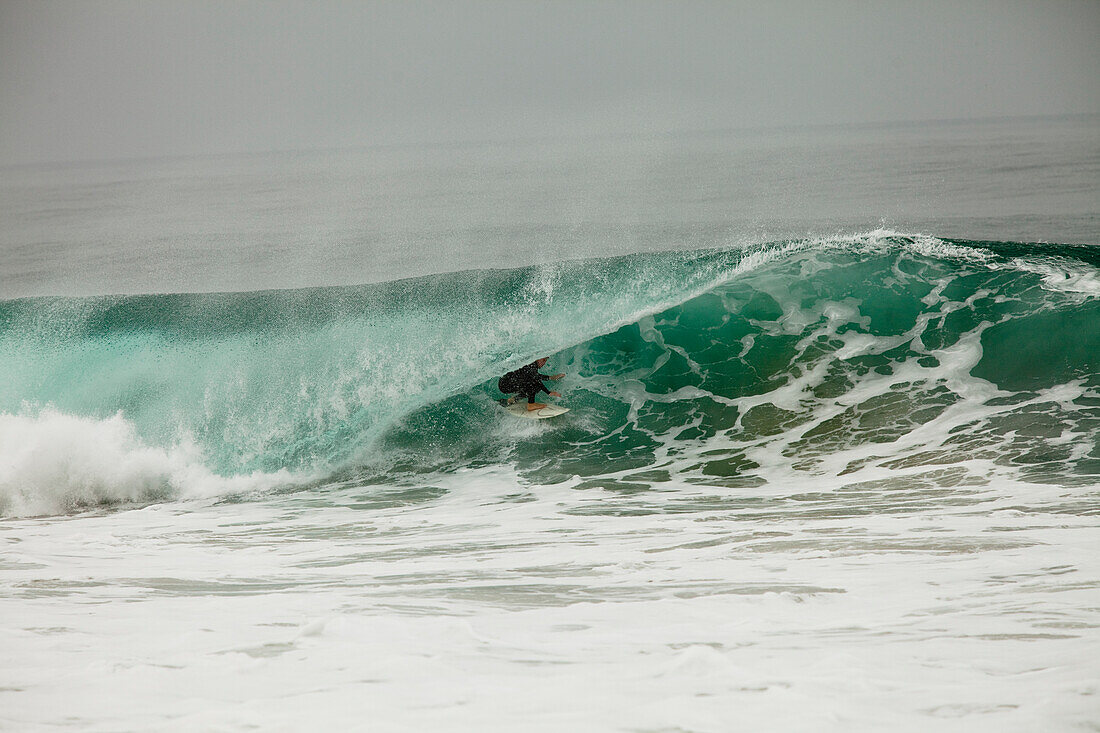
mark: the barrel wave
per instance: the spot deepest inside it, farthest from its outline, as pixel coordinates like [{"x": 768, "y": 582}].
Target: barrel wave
[{"x": 882, "y": 361}]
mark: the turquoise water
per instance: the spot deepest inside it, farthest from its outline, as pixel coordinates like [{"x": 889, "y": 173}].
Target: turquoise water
[{"x": 792, "y": 351}]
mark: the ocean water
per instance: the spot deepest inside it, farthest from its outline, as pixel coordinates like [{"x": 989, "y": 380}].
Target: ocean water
[{"x": 832, "y": 461}]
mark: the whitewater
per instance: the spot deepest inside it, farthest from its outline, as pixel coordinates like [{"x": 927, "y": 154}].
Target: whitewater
[{"x": 823, "y": 469}]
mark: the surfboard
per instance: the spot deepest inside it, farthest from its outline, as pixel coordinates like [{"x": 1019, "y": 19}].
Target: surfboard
[{"x": 520, "y": 410}]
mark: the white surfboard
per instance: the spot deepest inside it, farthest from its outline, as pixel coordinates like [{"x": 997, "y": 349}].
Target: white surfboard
[{"x": 520, "y": 410}]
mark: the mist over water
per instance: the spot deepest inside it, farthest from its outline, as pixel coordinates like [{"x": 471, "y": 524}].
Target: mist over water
[
  {"x": 275, "y": 221},
  {"x": 819, "y": 472}
]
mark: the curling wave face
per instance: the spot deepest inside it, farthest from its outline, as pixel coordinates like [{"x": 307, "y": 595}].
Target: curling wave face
[{"x": 864, "y": 359}]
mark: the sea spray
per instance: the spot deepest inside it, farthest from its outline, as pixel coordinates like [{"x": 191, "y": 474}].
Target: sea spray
[{"x": 53, "y": 463}]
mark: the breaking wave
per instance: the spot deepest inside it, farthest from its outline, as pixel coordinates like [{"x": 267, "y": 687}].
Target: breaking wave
[{"x": 878, "y": 357}]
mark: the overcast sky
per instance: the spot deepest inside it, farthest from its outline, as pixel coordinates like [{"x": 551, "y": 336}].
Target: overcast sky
[{"x": 81, "y": 79}]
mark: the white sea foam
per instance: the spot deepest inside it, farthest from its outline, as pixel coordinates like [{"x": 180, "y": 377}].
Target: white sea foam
[
  {"x": 1063, "y": 276},
  {"x": 692, "y": 608},
  {"x": 54, "y": 463}
]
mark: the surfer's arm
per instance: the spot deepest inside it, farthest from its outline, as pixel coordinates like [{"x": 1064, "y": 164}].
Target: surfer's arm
[{"x": 542, "y": 386}]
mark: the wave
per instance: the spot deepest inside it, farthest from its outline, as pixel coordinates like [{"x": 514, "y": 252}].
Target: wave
[{"x": 841, "y": 355}]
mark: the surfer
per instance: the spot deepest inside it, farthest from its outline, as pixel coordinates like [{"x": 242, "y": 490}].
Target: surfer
[{"x": 527, "y": 382}]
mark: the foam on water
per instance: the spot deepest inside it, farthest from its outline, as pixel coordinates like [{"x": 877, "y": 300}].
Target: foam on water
[
  {"x": 54, "y": 463},
  {"x": 485, "y": 603}
]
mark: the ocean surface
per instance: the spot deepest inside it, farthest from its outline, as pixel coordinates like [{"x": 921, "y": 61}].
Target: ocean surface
[{"x": 832, "y": 461}]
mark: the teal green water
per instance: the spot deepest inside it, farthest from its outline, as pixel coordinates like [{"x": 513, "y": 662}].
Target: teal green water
[{"x": 798, "y": 349}]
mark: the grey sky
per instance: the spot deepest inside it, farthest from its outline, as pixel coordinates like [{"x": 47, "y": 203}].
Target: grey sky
[{"x": 91, "y": 80}]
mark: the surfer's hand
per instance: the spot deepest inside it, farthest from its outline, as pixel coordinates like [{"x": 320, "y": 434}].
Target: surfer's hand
[
  {"x": 558, "y": 376},
  {"x": 555, "y": 394}
]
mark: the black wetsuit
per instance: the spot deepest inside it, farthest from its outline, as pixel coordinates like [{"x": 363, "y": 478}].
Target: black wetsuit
[{"x": 526, "y": 381}]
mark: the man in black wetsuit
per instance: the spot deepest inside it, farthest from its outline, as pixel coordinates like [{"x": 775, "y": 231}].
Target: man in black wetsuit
[{"x": 527, "y": 382}]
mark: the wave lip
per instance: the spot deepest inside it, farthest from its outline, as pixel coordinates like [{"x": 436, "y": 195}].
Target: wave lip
[{"x": 56, "y": 463}]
